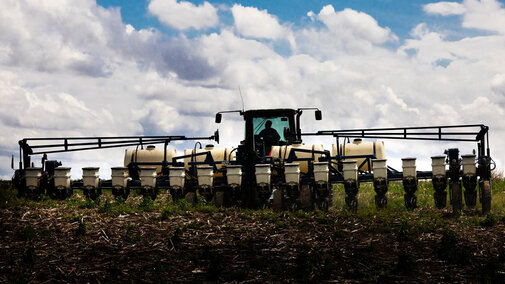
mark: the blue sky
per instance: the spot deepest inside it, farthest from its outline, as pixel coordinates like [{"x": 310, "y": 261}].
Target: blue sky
[{"x": 400, "y": 16}]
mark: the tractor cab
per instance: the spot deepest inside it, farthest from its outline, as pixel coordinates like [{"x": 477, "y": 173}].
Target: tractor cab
[{"x": 265, "y": 128}]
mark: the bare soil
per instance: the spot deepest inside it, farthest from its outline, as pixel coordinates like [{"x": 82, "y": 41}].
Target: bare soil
[{"x": 65, "y": 244}]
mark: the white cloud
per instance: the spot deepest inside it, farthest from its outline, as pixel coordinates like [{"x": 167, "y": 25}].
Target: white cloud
[
  {"x": 347, "y": 30},
  {"x": 356, "y": 25},
  {"x": 183, "y": 15},
  {"x": 498, "y": 84},
  {"x": 486, "y": 15},
  {"x": 445, "y": 8},
  {"x": 251, "y": 22}
]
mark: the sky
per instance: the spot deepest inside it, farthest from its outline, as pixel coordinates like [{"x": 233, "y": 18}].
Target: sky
[{"x": 165, "y": 67}]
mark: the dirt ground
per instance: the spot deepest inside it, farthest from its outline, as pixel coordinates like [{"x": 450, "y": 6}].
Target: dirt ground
[{"x": 74, "y": 244}]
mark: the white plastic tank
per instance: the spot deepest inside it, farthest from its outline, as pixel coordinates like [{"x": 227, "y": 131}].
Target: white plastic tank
[
  {"x": 359, "y": 147},
  {"x": 321, "y": 171},
  {"x": 263, "y": 174},
  {"x": 205, "y": 175},
  {"x": 218, "y": 154},
  {"x": 438, "y": 165},
  {"x": 292, "y": 173},
  {"x": 234, "y": 175},
  {"x": 380, "y": 169},
  {"x": 468, "y": 162},
  {"x": 282, "y": 153},
  {"x": 409, "y": 167},
  {"x": 350, "y": 170},
  {"x": 150, "y": 154},
  {"x": 119, "y": 176},
  {"x": 33, "y": 176},
  {"x": 177, "y": 177},
  {"x": 90, "y": 177},
  {"x": 148, "y": 177},
  {"x": 62, "y": 177}
]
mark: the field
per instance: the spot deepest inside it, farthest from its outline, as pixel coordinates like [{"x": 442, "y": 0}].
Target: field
[{"x": 144, "y": 241}]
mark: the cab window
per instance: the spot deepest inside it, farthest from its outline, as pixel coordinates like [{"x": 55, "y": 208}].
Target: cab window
[{"x": 278, "y": 123}]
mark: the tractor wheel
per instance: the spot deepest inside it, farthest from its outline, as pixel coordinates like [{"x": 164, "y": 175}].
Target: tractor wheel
[{"x": 485, "y": 198}]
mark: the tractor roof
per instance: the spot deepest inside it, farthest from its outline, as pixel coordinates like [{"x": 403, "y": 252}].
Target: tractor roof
[{"x": 269, "y": 112}]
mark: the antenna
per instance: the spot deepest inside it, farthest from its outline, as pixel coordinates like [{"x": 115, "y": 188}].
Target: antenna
[{"x": 241, "y": 98}]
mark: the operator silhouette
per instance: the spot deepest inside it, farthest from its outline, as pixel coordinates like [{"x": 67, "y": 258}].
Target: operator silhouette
[{"x": 270, "y": 136}]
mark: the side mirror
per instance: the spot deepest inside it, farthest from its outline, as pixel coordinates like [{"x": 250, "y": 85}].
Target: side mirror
[
  {"x": 319, "y": 115},
  {"x": 218, "y": 118},
  {"x": 216, "y": 134}
]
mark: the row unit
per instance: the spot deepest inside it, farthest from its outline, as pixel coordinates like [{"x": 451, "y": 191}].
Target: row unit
[{"x": 234, "y": 173}]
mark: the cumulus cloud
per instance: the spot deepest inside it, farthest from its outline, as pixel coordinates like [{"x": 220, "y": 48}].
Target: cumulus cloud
[
  {"x": 183, "y": 15},
  {"x": 251, "y": 22},
  {"x": 498, "y": 84},
  {"x": 355, "y": 24},
  {"x": 93, "y": 41},
  {"x": 348, "y": 30},
  {"x": 445, "y": 8},
  {"x": 486, "y": 15}
]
